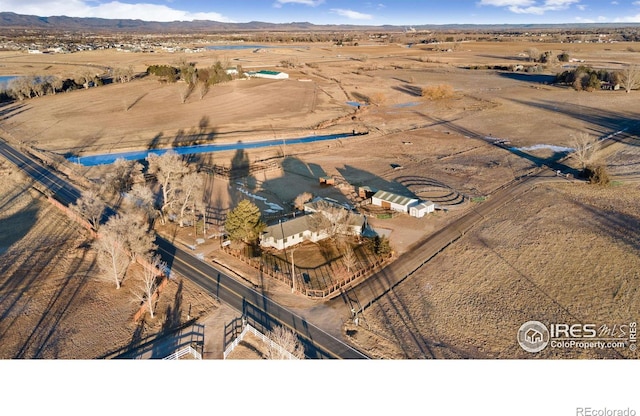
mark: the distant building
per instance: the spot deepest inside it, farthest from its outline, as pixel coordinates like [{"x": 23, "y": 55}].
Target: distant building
[
  {"x": 609, "y": 86},
  {"x": 267, "y": 74}
]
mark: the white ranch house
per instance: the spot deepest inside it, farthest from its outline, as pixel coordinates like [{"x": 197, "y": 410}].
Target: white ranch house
[{"x": 290, "y": 233}]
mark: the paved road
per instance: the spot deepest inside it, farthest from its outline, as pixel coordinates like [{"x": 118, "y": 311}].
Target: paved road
[
  {"x": 260, "y": 311},
  {"x": 45, "y": 180}
]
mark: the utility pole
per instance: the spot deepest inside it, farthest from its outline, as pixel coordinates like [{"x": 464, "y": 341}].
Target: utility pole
[{"x": 293, "y": 274}]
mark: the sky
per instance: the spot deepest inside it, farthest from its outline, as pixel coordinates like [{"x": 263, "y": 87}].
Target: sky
[{"x": 375, "y": 13}]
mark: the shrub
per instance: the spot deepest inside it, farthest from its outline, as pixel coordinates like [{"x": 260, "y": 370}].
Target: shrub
[
  {"x": 597, "y": 175},
  {"x": 437, "y": 92}
]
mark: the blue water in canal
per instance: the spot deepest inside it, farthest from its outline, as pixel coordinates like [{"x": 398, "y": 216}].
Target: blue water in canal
[
  {"x": 4, "y": 81},
  {"x": 235, "y": 47},
  {"x": 109, "y": 158}
]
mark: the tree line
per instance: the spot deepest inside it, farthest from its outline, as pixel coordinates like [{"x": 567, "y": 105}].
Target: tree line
[
  {"x": 584, "y": 78},
  {"x": 128, "y": 236},
  {"x": 32, "y": 86},
  {"x": 195, "y": 78}
]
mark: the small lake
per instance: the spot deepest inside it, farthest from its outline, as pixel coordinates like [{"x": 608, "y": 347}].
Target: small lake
[{"x": 106, "y": 159}]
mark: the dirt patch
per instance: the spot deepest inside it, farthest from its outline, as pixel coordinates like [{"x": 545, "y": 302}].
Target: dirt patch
[
  {"x": 554, "y": 256},
  {"x": 53, "y": 305}
]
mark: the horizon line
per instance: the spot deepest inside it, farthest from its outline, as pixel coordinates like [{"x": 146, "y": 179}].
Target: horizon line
[{"x": 403, "y": 25}]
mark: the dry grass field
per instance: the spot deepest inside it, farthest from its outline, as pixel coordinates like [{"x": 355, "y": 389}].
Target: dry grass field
[
  {"x": 566, "y": 252},
  {"x": 53, "y": 304}
]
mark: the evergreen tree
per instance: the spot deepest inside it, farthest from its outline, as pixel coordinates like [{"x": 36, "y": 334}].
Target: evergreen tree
[{"x": 243, "y": 223}]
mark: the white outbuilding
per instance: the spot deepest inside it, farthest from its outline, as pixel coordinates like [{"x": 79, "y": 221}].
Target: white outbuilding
[
  {"x": 268, "y": 74},
  {"x": 392, "y": 201},
  {"x": 421, "y": 209}
]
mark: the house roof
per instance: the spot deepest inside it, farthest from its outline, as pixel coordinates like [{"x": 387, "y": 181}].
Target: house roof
[
  {"x": 267, "y": 72},
  {"x": 287, "y": 228},
  {"x": 301, "y": 224},
  {"x": 393, "y": 198},
  {"x": 424, "y": 204}
]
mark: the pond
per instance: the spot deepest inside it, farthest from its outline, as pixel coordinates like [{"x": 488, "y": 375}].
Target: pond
[{"x": 108, "y": 158}]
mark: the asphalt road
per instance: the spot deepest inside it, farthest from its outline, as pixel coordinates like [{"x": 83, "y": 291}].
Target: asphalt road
[
  {"x": 261, "y": 312},
  {"x": 45, "y": 180}
]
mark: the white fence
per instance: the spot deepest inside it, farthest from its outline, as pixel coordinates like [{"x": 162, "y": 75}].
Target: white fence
[
  {"x": 264, "y": 338},
  {"x": 185, "y": 351}
]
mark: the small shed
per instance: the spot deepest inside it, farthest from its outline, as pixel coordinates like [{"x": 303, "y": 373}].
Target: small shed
[
  {"x": 366, "y": 191},
  {"x": 327, "y": 180},
  {"x": 421, "y": 209}
]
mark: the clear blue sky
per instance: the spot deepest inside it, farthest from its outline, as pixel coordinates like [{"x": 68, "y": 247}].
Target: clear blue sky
[{"x": 394, "y": 12}]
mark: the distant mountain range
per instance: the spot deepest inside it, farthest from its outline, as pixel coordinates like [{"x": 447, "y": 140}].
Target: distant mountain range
[{"x": 9, "y": 20}]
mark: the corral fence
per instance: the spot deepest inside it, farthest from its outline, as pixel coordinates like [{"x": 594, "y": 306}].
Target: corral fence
[
  {"x": 184, "y": 352},
  {"x": 236, "y": 172},
  {"x": 280, "y": 270},
  {"x": 270, "y": 343}
]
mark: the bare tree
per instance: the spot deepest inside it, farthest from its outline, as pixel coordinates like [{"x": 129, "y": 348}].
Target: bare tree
[
  {"x": 85, "y": 78},
  {"x": 533, "y": 54},
  {"x": 186, "y": 92},
  {"x": 349, "y": 258},
  {"x": 302, "y": 199},
  {"x": 20, "y": 88},
  {"x": 146, "y": 292},
  {"x": 144, "y": 199},
  {"x": 338, "y": 220},
  {"x": 112, "y": 258},
  {"x": 123, "y": 175},
  {"x": 123, "y": 75},
  {"x": 90, "y": 207},
  {"x": 137, "y": 239},
  {"x": 56, "y": 84},
  {"x": 630, "y": 79},
  {"x": 169, "y": 170},
  {"x": 584, "y": 148},
  {"x": 285, "y": 344},
  {"x": 191, "y": 189}
]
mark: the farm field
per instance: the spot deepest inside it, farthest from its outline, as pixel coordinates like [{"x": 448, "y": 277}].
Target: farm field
[{"x": 565, "y": 252}]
